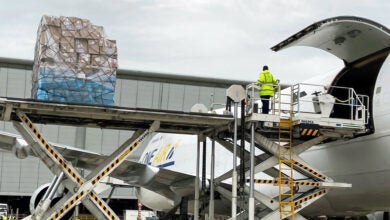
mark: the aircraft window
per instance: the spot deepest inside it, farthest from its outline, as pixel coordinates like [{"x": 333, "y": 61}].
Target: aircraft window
[{"x": 378, "y": 90}]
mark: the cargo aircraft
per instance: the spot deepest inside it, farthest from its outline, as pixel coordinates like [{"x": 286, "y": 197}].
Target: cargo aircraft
[{"x": 164, "y": 174}]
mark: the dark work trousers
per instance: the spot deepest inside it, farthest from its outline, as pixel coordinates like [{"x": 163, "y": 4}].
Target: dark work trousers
[{"x": 265, "y": 104}]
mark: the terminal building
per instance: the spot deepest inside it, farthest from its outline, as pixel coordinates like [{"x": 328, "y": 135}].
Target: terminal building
[{"x": 135, "y": 89}]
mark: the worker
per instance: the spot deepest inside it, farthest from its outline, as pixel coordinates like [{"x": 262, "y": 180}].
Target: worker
[
  {"x": 4, "y": 217},
  {"x": 267, "y": 82}
]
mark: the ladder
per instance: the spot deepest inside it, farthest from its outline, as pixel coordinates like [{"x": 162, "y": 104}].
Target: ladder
[{"x": 285, "y": 157}]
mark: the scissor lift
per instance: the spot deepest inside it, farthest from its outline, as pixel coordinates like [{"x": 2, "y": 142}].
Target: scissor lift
[
  {"x": 23, "y": 112},
  {"x": 82, "y": 188},
  {"x": 305, "y": 121}
]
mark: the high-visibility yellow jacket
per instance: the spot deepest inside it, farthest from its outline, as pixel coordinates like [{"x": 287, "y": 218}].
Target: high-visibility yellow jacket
[{"x": 266, "y": 81}]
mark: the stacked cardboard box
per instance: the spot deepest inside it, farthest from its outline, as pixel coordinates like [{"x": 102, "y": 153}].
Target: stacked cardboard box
[{"x": 74, "y": 62}]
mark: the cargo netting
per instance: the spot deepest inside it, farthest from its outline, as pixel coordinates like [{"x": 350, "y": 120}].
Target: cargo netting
[{"x": 74, "y": 62}]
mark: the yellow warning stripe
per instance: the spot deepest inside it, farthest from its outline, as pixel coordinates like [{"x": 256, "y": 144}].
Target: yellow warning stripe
[
  {"x": 102, "y": 206},
  {"x": 285, "y": 182},
  {"x": 309, "y": 170},
  {"x": 67, "y": 206},
  {"x": 307, "y": 198},
  {"x": 52, "y": 151},
  {"x": 309, "y": 132},
  {"x": 306, "y": 183},
  {"x": 262, "y": 181}
]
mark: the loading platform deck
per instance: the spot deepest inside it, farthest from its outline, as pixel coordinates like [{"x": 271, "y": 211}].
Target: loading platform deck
[{"x": 111, "y": 117}]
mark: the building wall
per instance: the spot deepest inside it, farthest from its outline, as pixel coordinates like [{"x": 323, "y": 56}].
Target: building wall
[{"x": 22, "y": 177}]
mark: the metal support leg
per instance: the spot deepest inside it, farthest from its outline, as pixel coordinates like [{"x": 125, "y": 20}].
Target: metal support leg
[
  {"x": 76, "y": 212},
  {"x": 252, "y": 174},
  {"x": 55, "y": 186},
  {"x": 204, "y": 176},
  {"x": 47, "y": 198},
  {"x": 242, "y": 147},
  {"x": 211, "y": 204},
  {"x": 109, "y": 195},
  {"x": 234, "y": 177},
  {"x": 196, "y": 203},
  {"x": 236, "y": 93},
  {"x": 50, "y": 188}
]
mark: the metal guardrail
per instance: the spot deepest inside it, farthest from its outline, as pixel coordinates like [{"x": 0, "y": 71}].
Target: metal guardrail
[
  {"x": 308, "y": 98},
  {"x": 253, "y": 97},
  {"x": 313, "y": 98}
]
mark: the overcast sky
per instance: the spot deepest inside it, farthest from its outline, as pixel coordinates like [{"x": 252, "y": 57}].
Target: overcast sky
[{"x": 209, "y": 38}]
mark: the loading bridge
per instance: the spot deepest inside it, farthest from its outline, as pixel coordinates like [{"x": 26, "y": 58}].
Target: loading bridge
[{"x": 296, "y": 122}]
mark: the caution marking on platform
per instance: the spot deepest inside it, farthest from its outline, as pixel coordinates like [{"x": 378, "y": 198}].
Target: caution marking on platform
[
  {"x": 309, "y": 170},
  {"x": 285, "y": 182},
  {"x": 309, "y": 197}
]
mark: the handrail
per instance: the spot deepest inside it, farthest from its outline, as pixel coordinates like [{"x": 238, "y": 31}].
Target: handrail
[
  {"x": 252, "y": 96},
  {"x": 313, "y": 98}
]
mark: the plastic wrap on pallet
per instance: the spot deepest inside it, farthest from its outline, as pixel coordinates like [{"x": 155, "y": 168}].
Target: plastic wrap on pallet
[{"x": 74, "y": 62}]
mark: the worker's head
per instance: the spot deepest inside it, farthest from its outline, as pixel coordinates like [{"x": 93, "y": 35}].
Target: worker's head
[{"x": 265, "y": 67}]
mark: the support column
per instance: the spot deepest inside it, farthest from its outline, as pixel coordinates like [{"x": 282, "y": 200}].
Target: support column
[
  {"x": 234, "y": 177},
  {"x": 110, "y": 194},
  {"x": 236, "y": 93},
  {"x": 76, "y": 212},
  {"x": 204, "y": 202},
  {"x": 49, "y": 188},
  {"x": 242, "y": 148},
  {"x": 211, "y": 204},
  {"x": 196, "y": 203},
  {"x": 252, "y": 174},
  {"x": 55, "y": 186}
]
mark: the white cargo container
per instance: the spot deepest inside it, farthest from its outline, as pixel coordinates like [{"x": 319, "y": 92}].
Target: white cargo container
[{"x": 133, "y": 214}]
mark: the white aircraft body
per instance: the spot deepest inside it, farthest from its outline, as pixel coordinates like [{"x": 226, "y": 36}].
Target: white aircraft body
[
  {"x": 363, "y": 161},
  {"x": 363, "y": 45}
]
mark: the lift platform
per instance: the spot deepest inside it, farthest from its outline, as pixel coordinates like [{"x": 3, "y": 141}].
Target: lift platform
[
  {"x": 25, "y": 113},
  {"x": 111, "y": 117},
  {"x": 313, "y": 114},
  {"x": 297, "y": 117}
]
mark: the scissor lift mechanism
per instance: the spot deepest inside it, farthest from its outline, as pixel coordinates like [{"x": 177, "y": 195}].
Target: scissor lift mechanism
[
  {"x": 81, "y": 190},
  {"x": 292, "y": 115}
]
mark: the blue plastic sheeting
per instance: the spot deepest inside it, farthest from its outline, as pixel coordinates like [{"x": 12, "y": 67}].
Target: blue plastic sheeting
[{"x": 67, "y": 86}]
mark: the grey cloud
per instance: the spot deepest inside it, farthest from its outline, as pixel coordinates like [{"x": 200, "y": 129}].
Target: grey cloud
[{"x": 220, "y": 38}]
